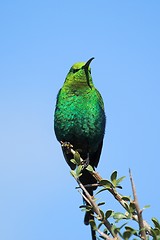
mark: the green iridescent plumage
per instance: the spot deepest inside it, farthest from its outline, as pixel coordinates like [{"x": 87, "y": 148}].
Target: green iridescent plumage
[{"x": 79, "y": 117}]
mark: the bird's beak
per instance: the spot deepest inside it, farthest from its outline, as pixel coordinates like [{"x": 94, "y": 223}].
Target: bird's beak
[{"x": 88, "y": 63}]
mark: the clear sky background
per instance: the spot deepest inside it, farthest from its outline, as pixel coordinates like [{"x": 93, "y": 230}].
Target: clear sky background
[{"x": 39, "y": 41}]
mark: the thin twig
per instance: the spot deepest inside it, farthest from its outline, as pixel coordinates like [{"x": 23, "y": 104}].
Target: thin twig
[
  {"x": 138, "y": 210},
  {"x": 91, "y": 185},
  {"x": 85, "y": 198},
  {"x": 104, "y": 235},
  {"x": 96, "y": 208},
  {"x": 118, "y": 197}
]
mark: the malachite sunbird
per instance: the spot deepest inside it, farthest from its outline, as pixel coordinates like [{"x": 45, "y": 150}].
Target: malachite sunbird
[{"x": 80, "y": 120}]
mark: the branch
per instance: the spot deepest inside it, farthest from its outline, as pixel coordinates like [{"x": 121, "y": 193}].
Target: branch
[
  {"x": 96, "y": 209},
  {"x": 105, "y": 235},
  {"x": 144, "y": 226},
  {"x": 118, "y": 197},
  {"x": 91, "y": 185},
  {"x": 138, "y": 210}
]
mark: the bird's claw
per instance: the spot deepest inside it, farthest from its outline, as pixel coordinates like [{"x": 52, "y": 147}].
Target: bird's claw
[
  {"x": 66, "y": 145},
  {"x": 85, "y": 162}
]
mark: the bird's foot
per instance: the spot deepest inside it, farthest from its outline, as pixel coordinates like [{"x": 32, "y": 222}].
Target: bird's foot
[
  {"x": 67, "y": 146},
  {"x": 85, "y": 162}
]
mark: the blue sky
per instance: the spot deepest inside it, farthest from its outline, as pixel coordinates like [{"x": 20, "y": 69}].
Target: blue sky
[{"x": 39, "y": 42}]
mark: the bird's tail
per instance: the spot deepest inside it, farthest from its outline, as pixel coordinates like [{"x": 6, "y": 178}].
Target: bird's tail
[
  {"x": 85, "y": 179},
  {"x": 93, "y": 233},
  {"x": 89, "y": 216}
]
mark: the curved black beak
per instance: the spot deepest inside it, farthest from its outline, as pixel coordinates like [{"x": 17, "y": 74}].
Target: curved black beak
[
  {"x": 88, "y": 63},
  {"x": 85, "y": 67}
]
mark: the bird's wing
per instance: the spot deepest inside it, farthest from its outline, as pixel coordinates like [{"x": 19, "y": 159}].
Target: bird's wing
[{"x": 96, "y": 155}]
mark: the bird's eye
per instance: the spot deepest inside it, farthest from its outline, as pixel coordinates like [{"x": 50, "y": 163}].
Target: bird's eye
[{"x": 75, "y": 70}]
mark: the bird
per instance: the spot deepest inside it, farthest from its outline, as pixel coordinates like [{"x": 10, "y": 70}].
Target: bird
[{"x": 80, "y": 119}]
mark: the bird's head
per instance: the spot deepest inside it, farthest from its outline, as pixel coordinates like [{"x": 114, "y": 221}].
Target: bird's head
[{"x": 80, "y": 75}]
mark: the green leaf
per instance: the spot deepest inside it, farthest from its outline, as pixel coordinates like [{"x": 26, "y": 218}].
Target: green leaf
[
  {"x": 132, "y": 207},
  {"x": 72, "y": 172},
  {"x": 126, "y": 198},
  {"x": 73, "y": 161},
  {"x": 77, "y": 158},
  {"x": 108, "y": 214},
  {"x": 101, "y": 203},
  {"x": 118, "y": 186},
  {"x": 85, "y": 210},
  {"x": 120, "y": 179},
  {"x": 127, "y": 207},
  {"x": 153, "y": 233},
  {"x": 113, "y": 177},
  {"x": 99, "y": 225},
  {"x": 119, "y": 216},
  {"x": 106, "y": 183},
  {"x": 127, "y": 235},
  {"x": 90, "y": 168},
  {"x": 130, "y": 229},
  {"x": 102, "y": 213},
  {"x": 83, "y": 206},
  {"x": 146, "y": 206},
  {"x": 156, "y": 223},
  {"x": 115, "y": 229},
  {"x": 78, "y": 170},
  {"x": 157, "y": 231}
]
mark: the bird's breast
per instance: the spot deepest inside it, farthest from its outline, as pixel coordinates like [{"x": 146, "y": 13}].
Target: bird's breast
[{"x": 79, "y": 119}]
